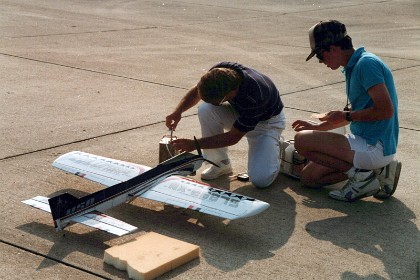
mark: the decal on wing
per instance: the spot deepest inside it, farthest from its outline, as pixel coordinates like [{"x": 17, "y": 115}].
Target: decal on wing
[{"x": 187, "y": 193}]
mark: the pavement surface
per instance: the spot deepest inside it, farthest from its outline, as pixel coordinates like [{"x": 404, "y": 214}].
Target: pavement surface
[{"x": 100, "y": 77}]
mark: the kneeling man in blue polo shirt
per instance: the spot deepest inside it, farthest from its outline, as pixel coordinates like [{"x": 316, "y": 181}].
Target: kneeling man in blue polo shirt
[{"x": 366, "y": 156}]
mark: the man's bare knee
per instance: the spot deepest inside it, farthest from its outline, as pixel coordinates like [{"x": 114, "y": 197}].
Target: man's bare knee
[{"x": 300, "y": 141}]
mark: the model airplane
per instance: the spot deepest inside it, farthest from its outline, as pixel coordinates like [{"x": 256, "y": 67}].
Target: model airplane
[{"x": 164, "y": 183}]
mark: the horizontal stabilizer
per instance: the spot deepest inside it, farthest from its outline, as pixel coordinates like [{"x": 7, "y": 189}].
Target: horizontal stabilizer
[
  {"x": 93, "y": 219},
  {"x": 104, "y": 222},
  {"x": 39, "y": 202}
]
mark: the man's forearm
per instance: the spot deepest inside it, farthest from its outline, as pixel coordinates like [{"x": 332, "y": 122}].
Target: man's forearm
[
  {"x": 188, "y": 101},
  {"x": 221, "y": 140},
  {"x": 325, "y": 126}
]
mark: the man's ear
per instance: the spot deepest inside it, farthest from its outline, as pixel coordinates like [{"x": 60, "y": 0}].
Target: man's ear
[{"x": 233, "y": 93}]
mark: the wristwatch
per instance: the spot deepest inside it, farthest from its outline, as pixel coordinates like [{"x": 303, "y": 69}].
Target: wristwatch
[{"x": 348, "y": 117}]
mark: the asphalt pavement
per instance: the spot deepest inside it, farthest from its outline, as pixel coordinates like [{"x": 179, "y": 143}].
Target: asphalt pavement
[{"x": 100, "y": 77}]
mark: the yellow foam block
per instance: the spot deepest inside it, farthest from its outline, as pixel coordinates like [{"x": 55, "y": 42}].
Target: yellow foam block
[{"x": 150, "y": 255}]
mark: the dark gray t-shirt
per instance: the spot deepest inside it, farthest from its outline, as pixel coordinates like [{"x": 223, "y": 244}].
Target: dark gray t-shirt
[{"x": 257, "y": 99}]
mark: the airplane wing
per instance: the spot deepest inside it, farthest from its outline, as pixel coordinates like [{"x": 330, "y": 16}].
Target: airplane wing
[
  {"x": 175, "y": 190},
  {"x": 98, "y": 169},
  {"x": 93, "y": 219}
]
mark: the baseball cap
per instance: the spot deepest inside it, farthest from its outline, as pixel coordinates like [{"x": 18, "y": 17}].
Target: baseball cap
[{"x": 324, "y": 34}]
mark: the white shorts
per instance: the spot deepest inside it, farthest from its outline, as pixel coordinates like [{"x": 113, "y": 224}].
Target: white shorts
[{"x": 367, "y": 156}]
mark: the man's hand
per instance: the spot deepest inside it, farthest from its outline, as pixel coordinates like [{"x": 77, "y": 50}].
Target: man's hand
[
  {"x": 334, "y": 117},
  {"x": 184, "y": 145},
  {"x": 300, "y": 125},
  {"x": 172, "y": 120},
  {"x": 188, "y": 101},
  {"x": 213, "y": 142}
]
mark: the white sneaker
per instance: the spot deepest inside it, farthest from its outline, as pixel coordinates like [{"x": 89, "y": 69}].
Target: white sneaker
[
  {"x": 388, "y": 177},
  {"x": 362, "y": 184},
  {"x": 214, "y": 172}
]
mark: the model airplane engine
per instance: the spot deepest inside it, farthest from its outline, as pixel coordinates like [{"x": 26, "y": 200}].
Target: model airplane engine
[{"x": 292, "y": 162}]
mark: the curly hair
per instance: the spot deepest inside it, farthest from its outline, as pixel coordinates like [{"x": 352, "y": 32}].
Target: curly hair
[{"x": 217, "y": 83}]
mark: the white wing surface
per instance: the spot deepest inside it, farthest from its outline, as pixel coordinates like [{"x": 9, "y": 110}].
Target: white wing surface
[
  {"x": 174, "y": 190},
  {"x": 191, "y": 194},
  {"x": 99, "y": 169},
  {"x": 93, "y": 219}
]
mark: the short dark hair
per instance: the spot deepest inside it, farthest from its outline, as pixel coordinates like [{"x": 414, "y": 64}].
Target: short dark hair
[
  {"x": 345, "y": 44},
  {"x": 217, "y": 83}
]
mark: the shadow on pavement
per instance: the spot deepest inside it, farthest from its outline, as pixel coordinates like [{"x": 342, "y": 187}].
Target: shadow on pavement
[
  {"x": 382, "y": 229},
  {"x": 229, "y": 245}
]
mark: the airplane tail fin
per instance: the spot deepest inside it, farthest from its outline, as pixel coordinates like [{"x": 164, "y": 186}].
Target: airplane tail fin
[{"x": 62, "y": 205}]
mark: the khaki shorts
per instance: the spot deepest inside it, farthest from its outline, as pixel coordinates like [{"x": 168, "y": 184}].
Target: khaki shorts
[{"x": 367, "y": 156}]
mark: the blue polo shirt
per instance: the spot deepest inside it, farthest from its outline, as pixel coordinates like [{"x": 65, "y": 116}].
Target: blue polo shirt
[
  {"x": 257, "y": 99},
  {"x": 363, "y": 71}
]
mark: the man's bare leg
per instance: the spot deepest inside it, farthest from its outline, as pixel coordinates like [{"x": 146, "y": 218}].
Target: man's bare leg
[{"x": 330, "y": 156}]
